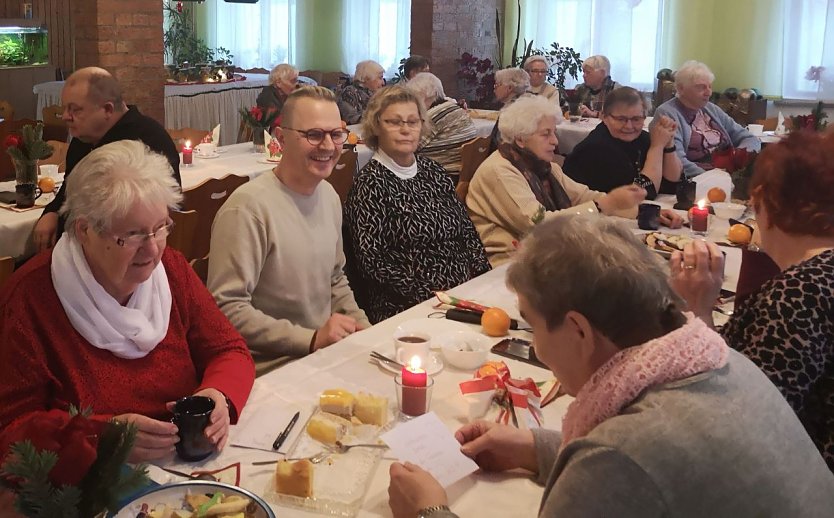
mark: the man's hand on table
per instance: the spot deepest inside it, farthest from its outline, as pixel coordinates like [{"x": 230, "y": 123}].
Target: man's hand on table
[
  {"x": 337, "y": 327},
  {"x": 696, "y": 275},
  {"x": 45, "y": 231},
  {"x": 670, "y": 218},
  {"x": 496, "y": 447},
  {"x": 412, "y": 489}
]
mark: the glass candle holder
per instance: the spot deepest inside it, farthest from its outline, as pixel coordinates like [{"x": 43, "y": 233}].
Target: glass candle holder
[{"x": 413, "y": 401}]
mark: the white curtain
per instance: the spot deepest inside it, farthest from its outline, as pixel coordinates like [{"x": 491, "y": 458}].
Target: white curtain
[
  {"x": 627, "y": 32},
  {"x": 375, "y": 29},
  {"x": 259, "y": 35},
  {"x": 808, "y": 59}
]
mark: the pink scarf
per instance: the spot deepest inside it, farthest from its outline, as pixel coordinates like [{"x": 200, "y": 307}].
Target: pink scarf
[{"x": 691, "y": 349}]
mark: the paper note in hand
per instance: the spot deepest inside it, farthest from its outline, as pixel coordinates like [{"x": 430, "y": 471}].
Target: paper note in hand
[{"x": 427, "y": 442}]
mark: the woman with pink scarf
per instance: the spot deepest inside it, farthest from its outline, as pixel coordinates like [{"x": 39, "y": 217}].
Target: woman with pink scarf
[{"x": 667, "y": 420}]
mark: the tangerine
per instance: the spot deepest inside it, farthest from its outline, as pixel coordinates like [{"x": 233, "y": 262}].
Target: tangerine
[
  {"x": 740, "y": 234},
  {"x": 353, "y": 138},
  {"x": 46, "y": 184},
  {"x": 716, "y": 195},
  {"x": 495, "y": 322}
]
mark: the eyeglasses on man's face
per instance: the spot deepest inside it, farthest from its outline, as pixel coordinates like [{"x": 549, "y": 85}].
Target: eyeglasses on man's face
[
  {"x": 637, "y": 121},
  {"x": 538, "y": 71},
  {"x": 134, "y": 240},
  {"x": 315, "y": 136},
  {"x": 395, "y": 124}
]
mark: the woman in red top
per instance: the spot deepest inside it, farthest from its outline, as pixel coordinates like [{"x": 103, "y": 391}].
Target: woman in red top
[{"x": 110, "y": 319}]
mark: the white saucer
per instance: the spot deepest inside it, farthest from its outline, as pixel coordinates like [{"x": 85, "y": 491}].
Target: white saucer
[
  {"x": 435, "y": 363},
  {"x": 207, "y": 157},
  {"x": 268, "y": 161}
]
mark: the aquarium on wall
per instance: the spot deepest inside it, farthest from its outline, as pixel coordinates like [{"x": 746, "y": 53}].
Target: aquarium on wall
[{"x": 22, "y": 46}]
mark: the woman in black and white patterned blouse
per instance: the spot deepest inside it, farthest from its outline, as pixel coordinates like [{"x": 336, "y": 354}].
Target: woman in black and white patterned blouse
[
  {"x": 787, "y": 326},
  {"x": 410, "y": 235}
]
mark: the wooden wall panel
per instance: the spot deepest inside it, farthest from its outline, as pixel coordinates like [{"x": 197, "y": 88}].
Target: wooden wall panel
[{"x": 56, "y": 15}]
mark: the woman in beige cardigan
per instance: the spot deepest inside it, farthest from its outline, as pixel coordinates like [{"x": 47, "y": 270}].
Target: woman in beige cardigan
[{"x": 518, "y": 185}]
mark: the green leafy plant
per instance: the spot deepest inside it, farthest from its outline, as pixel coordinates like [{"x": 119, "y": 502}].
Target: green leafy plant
[
  {"x": 29, "y": 145},
  {"x": 180, "y": 38},
  {"x": 11, "y": 51},
  {"x": 399, "y": 76}
]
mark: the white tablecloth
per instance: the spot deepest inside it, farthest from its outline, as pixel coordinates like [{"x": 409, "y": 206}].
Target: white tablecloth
[{"x": 200, "y": 106}]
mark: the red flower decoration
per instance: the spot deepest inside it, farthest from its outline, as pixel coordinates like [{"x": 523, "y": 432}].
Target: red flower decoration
[
  {"x": 13, "y": 141},
  {"x": 256, "y": 112},
  {"x": 732, "y": 159},
  {"x": 74, "y": 439}
]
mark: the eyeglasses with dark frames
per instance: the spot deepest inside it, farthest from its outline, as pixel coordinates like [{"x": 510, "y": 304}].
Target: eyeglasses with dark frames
[{"x": 315, "y": 136}]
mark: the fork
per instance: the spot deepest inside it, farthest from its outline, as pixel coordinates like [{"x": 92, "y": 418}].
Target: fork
[
  {"x": 379, "y": 357},
  {"x": 318, "y": 457}
]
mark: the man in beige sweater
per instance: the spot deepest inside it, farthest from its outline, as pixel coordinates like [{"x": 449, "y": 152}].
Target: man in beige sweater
[{"x": 277, "y": 263}]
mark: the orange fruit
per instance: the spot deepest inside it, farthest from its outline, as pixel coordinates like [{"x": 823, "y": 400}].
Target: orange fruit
[
  {"x": 716, "y": 195},
  {"x": 46, "y": 184},
  {"x": 495, "y": 322},
  {"x": 352, "y": 138},
  {"x": 740, "y": 234}
]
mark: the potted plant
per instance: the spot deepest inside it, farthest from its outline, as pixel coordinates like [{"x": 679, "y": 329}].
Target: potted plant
[
  {"x": 25, "y": 150},
  {"x": 259, "y": 120}
]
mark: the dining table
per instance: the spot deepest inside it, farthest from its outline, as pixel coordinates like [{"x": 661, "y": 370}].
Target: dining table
[{"x": 348, "y": 365}]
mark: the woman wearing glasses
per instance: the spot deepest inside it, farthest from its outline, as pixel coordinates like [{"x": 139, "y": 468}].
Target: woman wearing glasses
[
  {"x": 619, "y": 152},
  {"x": 110, "y": 319},
  {"x": 410, "y": 234}
]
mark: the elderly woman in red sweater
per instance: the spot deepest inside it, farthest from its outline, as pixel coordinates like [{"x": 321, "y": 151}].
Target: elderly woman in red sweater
[{"x": 111, "y": 319}]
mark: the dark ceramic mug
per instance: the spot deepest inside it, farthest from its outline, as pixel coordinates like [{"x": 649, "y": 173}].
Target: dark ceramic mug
[
  {"x": 648, "y": 216},
  {"x": 192, "y": 416}
]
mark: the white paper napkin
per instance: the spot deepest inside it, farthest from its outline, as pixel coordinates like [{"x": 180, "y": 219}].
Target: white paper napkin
[
  {"x": 712, "y": 178},
  {"x": 780, "y": 125},
  {"x": 215, "y": 135}
]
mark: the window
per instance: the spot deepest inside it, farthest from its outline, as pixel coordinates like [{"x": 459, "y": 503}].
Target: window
[
  {"x": 808, "y": 42},
  {"x": 259, "y": 35},
  {"x": 376, "y": 29},
  {"x": 627, "y": 32}
]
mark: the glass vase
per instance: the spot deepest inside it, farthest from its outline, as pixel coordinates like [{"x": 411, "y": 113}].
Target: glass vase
[
  {"x": 26, "y": 182},
  {"x": 258, "y": 139}
]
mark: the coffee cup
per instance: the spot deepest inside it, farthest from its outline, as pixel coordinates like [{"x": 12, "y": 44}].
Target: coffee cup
[
  {"x": 648, "y": 216},
  {"x": 756, "y": 129},
  {"x": 192, "y": 415},
  {"x": 409, "y": 344},
  {"x": 206, "y": 149}
]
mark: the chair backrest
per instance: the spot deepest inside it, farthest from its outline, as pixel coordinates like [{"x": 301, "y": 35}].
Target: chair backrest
[
  {"x": 6, "y": 110},
  {"x": 472, "y": 154},
  {"x": 341, "y": 178},
  {"x": 53, "y": 114},
  {"x": 6, "y": 270},
  {"x": 206, "y": 199},
  {"x": 256, "y": 70},
  {"x": 201, "y": 268},
  {"x": 179, "y": 136},
  {"x": 59, "y": 155},
  {"x": 8, "y": 127},
  {"x": 315, "y": 75},
  {"x": 182, "y": 235}
]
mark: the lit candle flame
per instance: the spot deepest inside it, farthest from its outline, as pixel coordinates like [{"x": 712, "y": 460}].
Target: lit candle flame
[
  {"x": 701, "y": 204},
  {"x": 414, "y": 364},
  {"x": 187, "y": 144}
]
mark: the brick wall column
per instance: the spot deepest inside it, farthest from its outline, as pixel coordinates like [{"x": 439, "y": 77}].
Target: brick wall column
[
  {"x": 125, "y": 38},
  {"x": 442, "y": 30}
]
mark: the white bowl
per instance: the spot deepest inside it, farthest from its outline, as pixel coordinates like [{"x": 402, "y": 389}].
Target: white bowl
[
  {"x": 173, "y": 495},
  {"x": 466, "y": 350},
  {"x": 726, "y": 210}
]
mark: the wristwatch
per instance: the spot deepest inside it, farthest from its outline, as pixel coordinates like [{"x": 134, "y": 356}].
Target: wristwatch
[
  {"x": 670, "y": 149},
  {"x": 428, "y": 511}
]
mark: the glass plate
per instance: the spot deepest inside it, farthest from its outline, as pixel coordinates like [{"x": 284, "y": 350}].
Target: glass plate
[{"x": 340, "y": 481}]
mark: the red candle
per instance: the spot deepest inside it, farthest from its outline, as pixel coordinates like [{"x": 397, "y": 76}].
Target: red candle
[
  {"x": 414, "y": 380},
  {"x": 187, "y": 153},
  {"x": 699, "y": 217}
]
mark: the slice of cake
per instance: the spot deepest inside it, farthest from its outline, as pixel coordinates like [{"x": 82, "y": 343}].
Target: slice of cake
[
  {"x": 294, "y": 478},
  {"x": 371, "y": 409},
  {"x": 327, "y": 428},
  {"x": 337, "y": 401}
]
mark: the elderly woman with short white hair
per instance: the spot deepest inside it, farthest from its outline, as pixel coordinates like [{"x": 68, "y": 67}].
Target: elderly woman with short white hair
[
  {"x": 112, "y": 319},
  {"x": 597, "y": 84},
  {"x": 703, "y": 127},
  {"x": 518, "y": 185},
  {"x": 537, "y": 67},
  {"x": 283, "y": 79},
  {"x": 510, "y": 84},
  {"x": 353, "y": 99},
  {"x": 449, "y": 124},
  {"x": 664, "y": 414}
]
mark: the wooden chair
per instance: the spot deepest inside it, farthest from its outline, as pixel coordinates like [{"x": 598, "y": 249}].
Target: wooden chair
[
  {"x": 206, "y": 199},
  {"x": 182, "y": 235},
  {"x": 8, "y": 127},
  {"x": 179, "y": 136},
  {"x": 6, "y": 110},
  {"x": 471, "y": 155},
  {"x": 58, "y": 157},
  {"x": 201, "y": 268},
  {"x": 341, "y": 178},
  {"x": 6, "y": 270},
  {"x": 54, "y": 127}
]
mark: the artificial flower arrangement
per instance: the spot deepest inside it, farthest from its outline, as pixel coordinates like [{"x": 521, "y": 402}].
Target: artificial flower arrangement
[
  {"x": 814, "y": 121},
  {"x": 25, "y": 150},
  {"x": 66, "y": 465},
  {"x": 257, "y": 117},
  {"x": 739, "y": 163}
]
